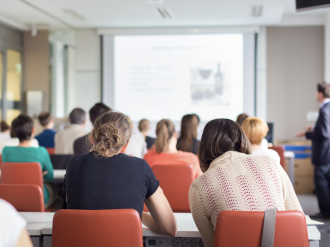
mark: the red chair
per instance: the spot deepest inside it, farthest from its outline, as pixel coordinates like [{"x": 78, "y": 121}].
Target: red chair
[
  {"x": 280, "y": 150},
  {"x": 241, "y": 228},
  {"x": 22, "y": 173},
  {"x": 175, "y": 180},
  {"x": 85, "y": 228},
  {"x": 50, "y": 150},
  {"x": 25, "y": 198}
]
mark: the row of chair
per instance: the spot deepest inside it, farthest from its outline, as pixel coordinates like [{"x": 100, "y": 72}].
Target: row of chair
[{"x": 233, "y": 229}]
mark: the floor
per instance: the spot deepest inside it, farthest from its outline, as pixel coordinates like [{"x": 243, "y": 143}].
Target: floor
[{"x": 310, "y": 207}]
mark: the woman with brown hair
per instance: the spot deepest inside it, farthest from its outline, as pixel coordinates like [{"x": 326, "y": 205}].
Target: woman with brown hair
[
  {"x": 188, "y": 137},
  {"x": 235, "y": 180},
  {"x": 106, "y": 178},
  {"x": 165, "y": 151}
]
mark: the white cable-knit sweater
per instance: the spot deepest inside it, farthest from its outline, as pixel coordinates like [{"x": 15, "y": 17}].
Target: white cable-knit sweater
[{"x": 236, "y": 181}]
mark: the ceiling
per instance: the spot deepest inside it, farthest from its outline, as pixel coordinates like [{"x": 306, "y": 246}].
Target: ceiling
[{"x": 50, "y": 14}]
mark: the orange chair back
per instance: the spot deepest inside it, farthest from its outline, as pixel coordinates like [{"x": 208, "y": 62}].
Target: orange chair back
[
  {"x": 25, "y": 198},
  {"x": 241, "y": 228},
  {"x": 21, "y": 173},
  {"x": 50, "y": 150},
  {"x": 280, "y": 150},
  {"x": 0, "y": 160},
  {"x": 85, "y": 228},
  {"x": 175, "y": 180}
]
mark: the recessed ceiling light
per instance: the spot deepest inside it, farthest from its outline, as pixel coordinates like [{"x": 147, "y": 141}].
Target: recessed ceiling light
[
  {"x": 156, "y": 1},
  {"x": 165, "y": 13},
  {"x": 256, "y": 11},
  {"x": 74, "y": 14}
]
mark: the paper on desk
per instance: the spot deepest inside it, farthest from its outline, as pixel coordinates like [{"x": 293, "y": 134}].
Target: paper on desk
[{"x": 313, "y": 222}]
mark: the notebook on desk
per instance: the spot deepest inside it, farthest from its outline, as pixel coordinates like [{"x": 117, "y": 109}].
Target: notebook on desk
[{"x": 313, "y": 222}]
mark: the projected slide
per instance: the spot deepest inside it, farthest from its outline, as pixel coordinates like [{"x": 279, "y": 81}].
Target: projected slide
[{"x": 167, "y": 76}]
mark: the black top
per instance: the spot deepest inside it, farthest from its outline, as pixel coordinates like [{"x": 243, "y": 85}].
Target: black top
[
  {"x": 117, "y": 182},
  {"x": 150, "y": 141},
  {"x": 194, "y": 148},
  {"x": 320, "y": 137},
  {"x": 82, "y": 145}
]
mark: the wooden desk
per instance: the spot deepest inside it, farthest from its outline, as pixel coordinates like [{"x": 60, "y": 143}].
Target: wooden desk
[{"x": 40, "y": 226}]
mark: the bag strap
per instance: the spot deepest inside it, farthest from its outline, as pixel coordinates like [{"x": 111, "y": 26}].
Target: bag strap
[{"x": 268, "y": 232}]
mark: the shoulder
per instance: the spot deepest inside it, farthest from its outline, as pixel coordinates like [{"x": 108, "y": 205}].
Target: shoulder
[{"x": 189, "y": 155}]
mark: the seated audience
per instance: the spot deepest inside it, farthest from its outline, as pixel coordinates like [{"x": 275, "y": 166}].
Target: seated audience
[
  {"x": 256, "y": 129},
  {"x": 82, "y": 145},
  {"x": 188, "y": 136},
  {"x": 46, "y": 138},
  {"x": 144, "y": 127},
  {"x": 235, "y": 180},
  {"x": 164, "y": 151},
  {"x": 64, "y": 139},
  {"x": 137, "y": 146},
  {"x": 106, "y": 178},
  {"x": 4, "y": 134},
  {"x": 25, "y": 152},
  {"x": 12, "y": 227},
  {"x": 240, "y": 119}
]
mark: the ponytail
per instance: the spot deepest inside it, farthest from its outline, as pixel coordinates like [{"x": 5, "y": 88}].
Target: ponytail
[{"x": 165, "y": 130}]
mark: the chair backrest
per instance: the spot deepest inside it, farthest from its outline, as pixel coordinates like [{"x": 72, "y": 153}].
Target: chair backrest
[
  {"x": 175, "y": 180},
  {"x": 85, "y": 228},
  {"x": 50, "y": 150},
  {"x": 25, "y": 198},
  {"x": 60, "y": 161},
  {"x": 21, "y": 173},
  {"x": 244, "y": 228},
  {"x": 280, "y": 150}
]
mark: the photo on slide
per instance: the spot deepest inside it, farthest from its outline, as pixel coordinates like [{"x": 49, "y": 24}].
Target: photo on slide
[{"x": 208, "y": 85}]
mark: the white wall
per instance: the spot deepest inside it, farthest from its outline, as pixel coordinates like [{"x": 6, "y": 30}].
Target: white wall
[
  {"x": 88, "y": 70},
  {"x": 295, "y": 64},
  {"x": 327, "y": 49}
]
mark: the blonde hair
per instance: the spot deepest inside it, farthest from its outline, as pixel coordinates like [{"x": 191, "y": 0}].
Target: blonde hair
[
  {"x": 129, "y": 121},
  {"x": 144, "y": 125},
  {"x": 111, "y": 132},
  {"x": 255, "y": 129},
  {"x": 165, "y": 130}
]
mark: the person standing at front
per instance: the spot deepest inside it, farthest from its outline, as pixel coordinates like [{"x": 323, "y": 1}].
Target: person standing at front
[{"x": 320, "y": 136}]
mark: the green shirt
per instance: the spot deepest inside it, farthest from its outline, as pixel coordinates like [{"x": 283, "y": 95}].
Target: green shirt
[{"x": 31, "y": 154}]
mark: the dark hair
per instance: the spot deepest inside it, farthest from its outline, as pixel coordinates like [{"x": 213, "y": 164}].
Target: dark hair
[
  {"x": 44, "y": 118},
  {"x": 144, "y": 125},
  {"x": 165, "y": 130},
  {"x": 220, "y": 136},
  {"x": 198, "y": 119},
  {"x": 240, "y": 118},
  {"x": 111, "y": 132},
  {"x": 324, "y": 88},
  {"x": 4, "y": 126},
  {"x": 22, "y": 127},
  {"x": 98, "y": 110},
  {"x": 188, "y": 133},
  {"x": 77, "y": 116}
]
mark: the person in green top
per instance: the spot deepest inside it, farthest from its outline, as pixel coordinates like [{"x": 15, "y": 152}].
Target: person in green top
[{"x": 23, "y": 129}]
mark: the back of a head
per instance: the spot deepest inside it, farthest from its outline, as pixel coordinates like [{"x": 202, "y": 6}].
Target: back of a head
[
  {"x": 255, "y": 129},
  {"x": 77, "y": 116},
  {"x": 188, "y": 133},
  {"x": 324, "y": 88},
  {"x": 22, "y": 127},
  {"x": 220, "y": 136},
  {"x": 240, "y": 118},
  {"x": 129, "y": 121},
  {"x": 4, "y": 126},
  {"x": 165, "y": 130},
  {"x": 197, "y": 118},
  {"x": 98, "y": 110},
  {"x": 44, "y": 118},
  {"x": 111, "y": 132},
  {"x": 144, "y": 125}
]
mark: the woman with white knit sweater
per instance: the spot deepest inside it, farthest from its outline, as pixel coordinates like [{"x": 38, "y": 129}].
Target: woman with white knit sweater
[{"x": 235, "y": 180}]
